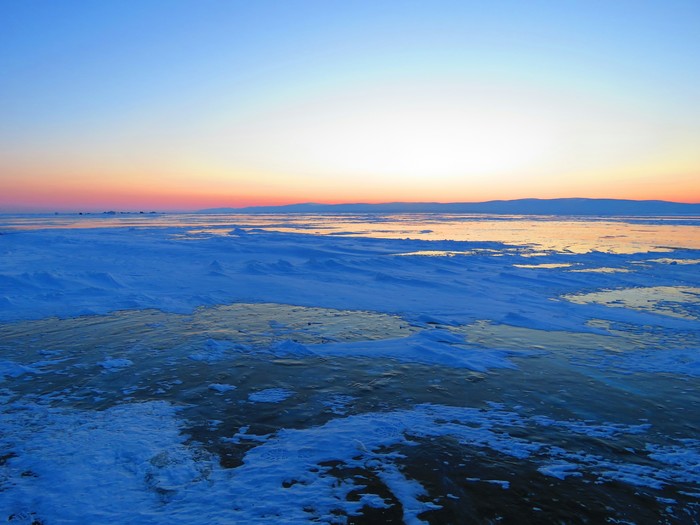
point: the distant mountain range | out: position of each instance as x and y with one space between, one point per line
588 207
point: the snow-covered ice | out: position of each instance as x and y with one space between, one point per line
255 370
111 364
270 395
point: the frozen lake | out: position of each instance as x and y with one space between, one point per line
349 369
576 234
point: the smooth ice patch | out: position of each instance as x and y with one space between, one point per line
602 269
436 253
665 300
679 361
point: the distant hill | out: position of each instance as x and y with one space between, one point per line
587 207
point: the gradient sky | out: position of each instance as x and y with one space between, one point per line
166 104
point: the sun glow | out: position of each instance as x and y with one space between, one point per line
414 143
400 134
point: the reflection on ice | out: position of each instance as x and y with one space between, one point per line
602 270
670 260
550 233
438 253
674 301
544 265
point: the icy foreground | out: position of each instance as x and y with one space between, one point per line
154 375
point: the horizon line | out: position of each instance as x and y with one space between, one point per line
90 209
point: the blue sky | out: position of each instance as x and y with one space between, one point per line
88 83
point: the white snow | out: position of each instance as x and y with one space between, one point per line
221 388
560 470
270 395
11 369
115 363
338 404
131 463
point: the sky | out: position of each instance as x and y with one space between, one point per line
183 105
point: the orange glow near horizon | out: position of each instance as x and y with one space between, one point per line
366 147
99 194
385 144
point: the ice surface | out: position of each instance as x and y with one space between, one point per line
270 395
111 364
155 475
665 300
11 369
235 374
221 388
212 351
